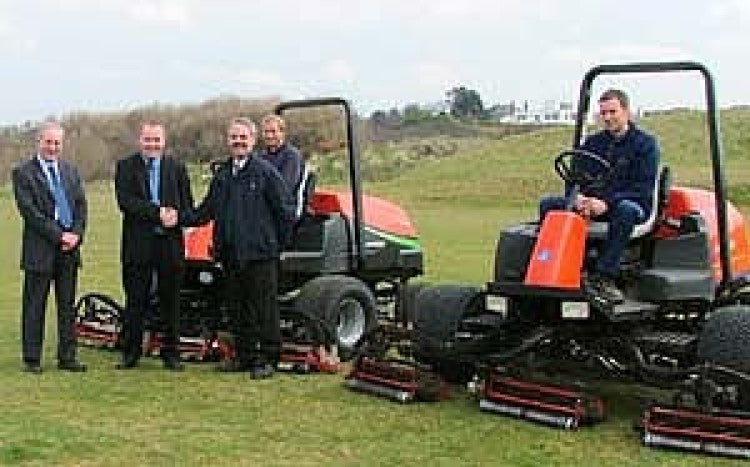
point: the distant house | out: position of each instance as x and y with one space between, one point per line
549 113
438 108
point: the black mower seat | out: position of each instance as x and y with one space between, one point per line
598 230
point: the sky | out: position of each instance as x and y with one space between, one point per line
62 56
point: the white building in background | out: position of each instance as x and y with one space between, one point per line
549 112
436 108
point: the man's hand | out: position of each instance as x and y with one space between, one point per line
589 206
69 241
168 217
597 207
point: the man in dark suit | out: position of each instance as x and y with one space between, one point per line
50 198
150 187
253 213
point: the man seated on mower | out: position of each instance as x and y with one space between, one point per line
625 199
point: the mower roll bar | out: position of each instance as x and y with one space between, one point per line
355 179
717 158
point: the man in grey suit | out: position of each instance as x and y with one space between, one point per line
50 198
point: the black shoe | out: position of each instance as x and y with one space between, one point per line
232 366
262 371
74 366
173 364
33 368
127 363
606 289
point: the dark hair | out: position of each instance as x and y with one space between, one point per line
610 94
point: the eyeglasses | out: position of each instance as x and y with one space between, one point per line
150 139
240 137
52 142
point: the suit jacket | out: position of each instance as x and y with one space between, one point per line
41 233
140 217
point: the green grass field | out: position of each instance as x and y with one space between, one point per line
149 416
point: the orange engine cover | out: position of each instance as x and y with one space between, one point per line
558 254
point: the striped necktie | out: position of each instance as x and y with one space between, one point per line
64 215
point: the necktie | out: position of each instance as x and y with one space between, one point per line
64 216
153 181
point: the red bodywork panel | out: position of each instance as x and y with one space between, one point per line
684 200
379 214
558 253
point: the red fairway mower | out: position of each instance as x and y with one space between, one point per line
346 268
536 328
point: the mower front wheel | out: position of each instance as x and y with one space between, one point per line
438 313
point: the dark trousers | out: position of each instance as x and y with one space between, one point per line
256 324
36 287
622 218
138 281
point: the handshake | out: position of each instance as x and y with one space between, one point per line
168 217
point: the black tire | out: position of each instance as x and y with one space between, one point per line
411 295
96 306
438 313
99 310
725 338
344 305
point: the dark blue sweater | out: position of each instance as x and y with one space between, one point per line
288 161
635 161
253 212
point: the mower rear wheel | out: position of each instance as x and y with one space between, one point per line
438 312
344 305
725 338
725 341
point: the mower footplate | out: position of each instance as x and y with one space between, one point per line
397 380
547 404
308 358
716 432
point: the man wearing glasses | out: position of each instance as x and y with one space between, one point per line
51 200
253 213
150 188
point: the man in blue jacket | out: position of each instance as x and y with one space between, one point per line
253 214
626 199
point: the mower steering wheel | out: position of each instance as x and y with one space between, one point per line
565 168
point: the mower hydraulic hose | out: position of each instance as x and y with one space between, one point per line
685 372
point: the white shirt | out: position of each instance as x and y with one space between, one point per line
238 164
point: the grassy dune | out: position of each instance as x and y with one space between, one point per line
105 417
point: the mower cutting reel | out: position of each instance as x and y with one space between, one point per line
716 432
543 403
399 380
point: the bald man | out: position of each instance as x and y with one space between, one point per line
50 198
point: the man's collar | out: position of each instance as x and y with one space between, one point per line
277 150
157 160
43 162
240 163
624 134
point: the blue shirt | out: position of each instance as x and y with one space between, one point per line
153 167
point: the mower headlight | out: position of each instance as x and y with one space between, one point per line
496 304
206 277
